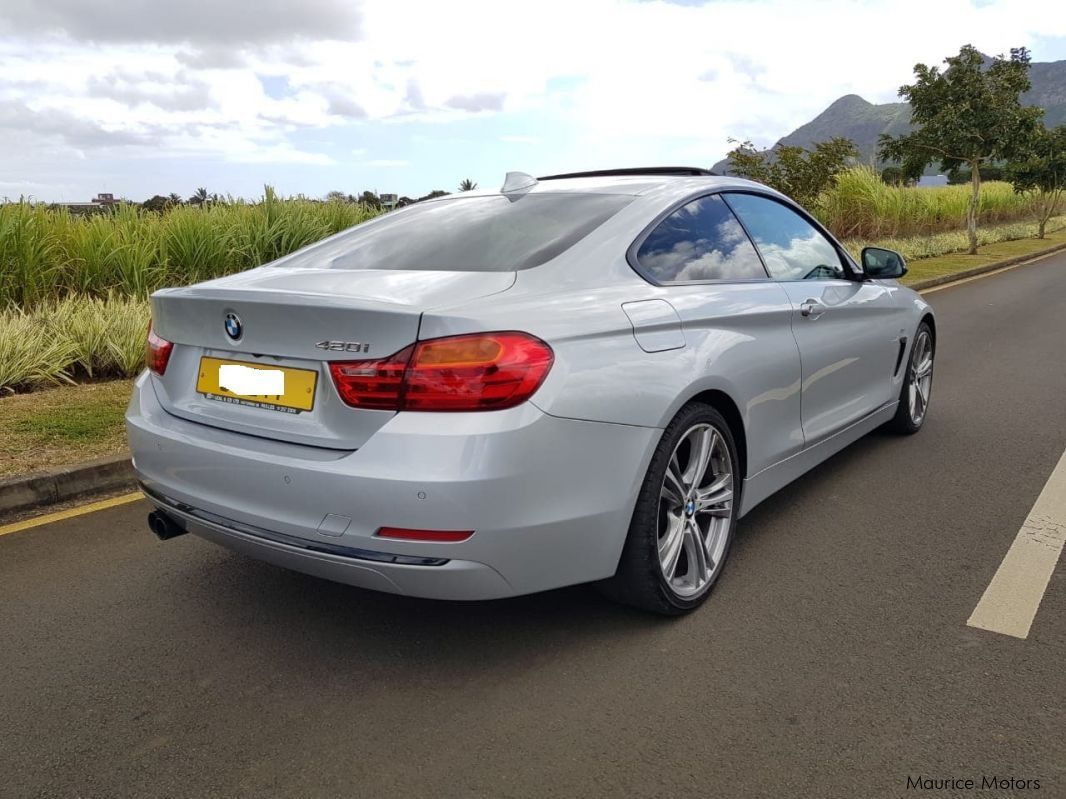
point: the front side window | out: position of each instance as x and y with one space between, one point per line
791 247
699 241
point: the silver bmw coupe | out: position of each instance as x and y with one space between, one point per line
582 377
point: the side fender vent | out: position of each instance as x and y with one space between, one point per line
899 357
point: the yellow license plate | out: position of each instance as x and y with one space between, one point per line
238 382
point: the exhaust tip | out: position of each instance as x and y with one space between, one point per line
163 526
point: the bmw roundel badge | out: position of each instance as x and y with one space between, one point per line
233 326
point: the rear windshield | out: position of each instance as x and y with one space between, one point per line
473 234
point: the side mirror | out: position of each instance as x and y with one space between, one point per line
881 264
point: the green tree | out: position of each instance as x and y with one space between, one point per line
199 197
963 174
1041 172
157 203
968 114
433 195
467 185
893 176
173 199
801 174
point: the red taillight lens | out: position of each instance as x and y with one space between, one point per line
424 535
376 385
156 351
478 372
486 371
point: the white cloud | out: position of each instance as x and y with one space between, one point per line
198 21
617 81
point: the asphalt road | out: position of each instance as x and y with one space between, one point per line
833 659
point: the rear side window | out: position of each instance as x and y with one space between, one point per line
699 241
493 233
792 247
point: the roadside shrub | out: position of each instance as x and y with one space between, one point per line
29 238
861 205
915 247
29 354
47 253
107 336
125 339
73 338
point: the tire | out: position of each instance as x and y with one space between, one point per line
669 512
917 386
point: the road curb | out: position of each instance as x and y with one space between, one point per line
66 482
954 277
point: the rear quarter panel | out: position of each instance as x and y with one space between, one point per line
738 340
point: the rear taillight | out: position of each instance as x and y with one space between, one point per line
478 372
156 351
376 385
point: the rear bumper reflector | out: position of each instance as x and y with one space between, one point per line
438 536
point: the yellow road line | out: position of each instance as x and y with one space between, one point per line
1011 600
964 280
81 510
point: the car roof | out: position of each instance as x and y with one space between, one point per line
666 186
634 170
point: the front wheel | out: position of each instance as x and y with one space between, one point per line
917 384
684 519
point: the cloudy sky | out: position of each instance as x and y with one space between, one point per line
139 97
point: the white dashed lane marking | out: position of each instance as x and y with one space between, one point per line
1011 600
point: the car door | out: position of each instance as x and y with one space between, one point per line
735 322
848 330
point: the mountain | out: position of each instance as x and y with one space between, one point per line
1049 90
854 118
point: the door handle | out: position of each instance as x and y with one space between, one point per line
812 308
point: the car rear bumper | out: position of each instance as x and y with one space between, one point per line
549 499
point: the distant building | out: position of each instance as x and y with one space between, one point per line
388 200
100 202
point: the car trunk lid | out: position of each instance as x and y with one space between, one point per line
299 320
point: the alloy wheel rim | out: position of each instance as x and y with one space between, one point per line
921 382
695 510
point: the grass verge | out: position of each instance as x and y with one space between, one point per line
920 247
61 426
989 254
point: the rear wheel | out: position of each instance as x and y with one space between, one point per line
917 384
684 519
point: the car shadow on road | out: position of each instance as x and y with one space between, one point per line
845 472
275 610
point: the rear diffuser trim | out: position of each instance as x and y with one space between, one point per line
196 514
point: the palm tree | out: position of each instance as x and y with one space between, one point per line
199 198
467 185
174 198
